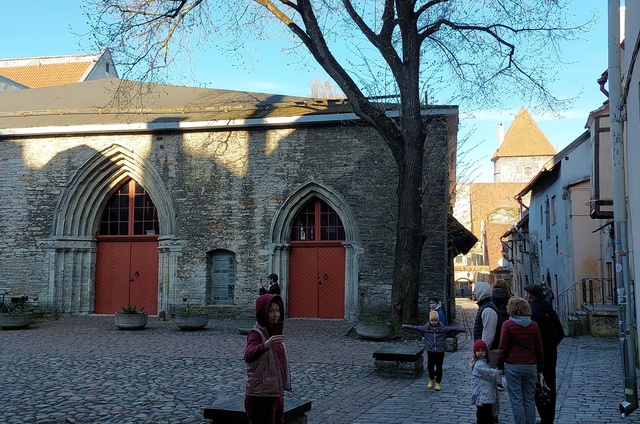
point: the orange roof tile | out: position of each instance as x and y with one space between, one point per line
494 245
490 200
46 75
524 138
47 71
494 209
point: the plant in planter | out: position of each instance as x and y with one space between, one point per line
192 317
15 315
130 318
244 322
370 327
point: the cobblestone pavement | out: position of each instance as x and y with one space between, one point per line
84 370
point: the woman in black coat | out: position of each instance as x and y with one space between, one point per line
552 334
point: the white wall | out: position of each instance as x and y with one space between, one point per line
571 250
632 139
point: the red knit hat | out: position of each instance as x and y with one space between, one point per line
479 344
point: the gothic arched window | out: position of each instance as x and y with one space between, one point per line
129 212
317 217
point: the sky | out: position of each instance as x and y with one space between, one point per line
52 28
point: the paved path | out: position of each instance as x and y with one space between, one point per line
84 370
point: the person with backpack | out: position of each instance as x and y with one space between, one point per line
486 322
552 334
486 325
500 296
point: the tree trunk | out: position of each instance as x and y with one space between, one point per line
409 235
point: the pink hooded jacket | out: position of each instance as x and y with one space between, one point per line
267 370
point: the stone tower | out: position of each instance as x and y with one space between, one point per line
523 152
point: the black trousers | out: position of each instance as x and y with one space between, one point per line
434 365
264 410
484 413
548 412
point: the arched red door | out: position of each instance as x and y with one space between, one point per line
316 263
127 257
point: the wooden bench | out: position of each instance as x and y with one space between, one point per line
231 411
399 360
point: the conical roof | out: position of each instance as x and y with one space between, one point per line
524 138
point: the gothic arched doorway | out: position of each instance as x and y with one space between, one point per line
316 263
127 257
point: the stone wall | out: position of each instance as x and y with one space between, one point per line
511 169
224 189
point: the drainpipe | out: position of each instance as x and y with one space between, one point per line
625 297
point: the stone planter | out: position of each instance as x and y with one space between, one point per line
131 321
245 324
15 321
191 322
373 330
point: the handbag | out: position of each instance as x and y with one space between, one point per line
543 392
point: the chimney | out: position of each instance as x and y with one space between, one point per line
500 134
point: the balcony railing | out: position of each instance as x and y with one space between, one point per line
591 292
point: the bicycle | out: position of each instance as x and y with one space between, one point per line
4 306
16 304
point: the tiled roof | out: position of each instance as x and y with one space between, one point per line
47 71
493 208
113 101
488 198
494 245
524 138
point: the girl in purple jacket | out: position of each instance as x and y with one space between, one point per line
434 338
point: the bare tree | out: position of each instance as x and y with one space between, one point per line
464 51
324 89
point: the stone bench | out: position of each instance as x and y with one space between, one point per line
399 360
231 411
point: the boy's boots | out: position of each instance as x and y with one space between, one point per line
438 386
431 383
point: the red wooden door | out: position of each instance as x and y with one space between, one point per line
127 258
126 274
331 282
144 271
303 291
112 277
316 282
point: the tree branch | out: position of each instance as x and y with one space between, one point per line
313 38
382 42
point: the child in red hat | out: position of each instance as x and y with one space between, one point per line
484 391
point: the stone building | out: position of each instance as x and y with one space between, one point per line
522 152
121 193
489 210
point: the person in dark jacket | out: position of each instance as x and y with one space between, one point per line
552 334
500 296
486 323
274 287
435 335
267 366
434 305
